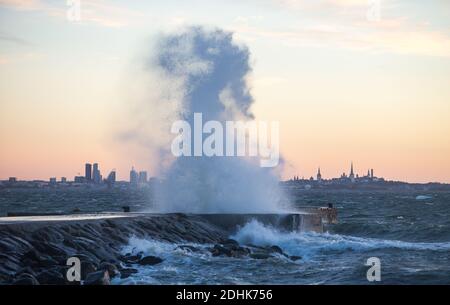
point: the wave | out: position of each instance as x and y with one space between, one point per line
182 266
147 246
424 197
307 244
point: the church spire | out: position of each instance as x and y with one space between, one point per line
352 173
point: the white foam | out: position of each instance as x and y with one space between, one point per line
308 244
424 197
147 246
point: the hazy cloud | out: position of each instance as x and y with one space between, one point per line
97 12
344 24
22 4
14 39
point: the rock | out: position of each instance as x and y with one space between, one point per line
230 242
51 277
295 258
5 279
97 278
131 259
26 279
31 255
69 243
179 228
150 260
87 267
125 273
27 270
5 246
276 249
34 258
51 249
260 255
111 268
47 262
240 252
220 250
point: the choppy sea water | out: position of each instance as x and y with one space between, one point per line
408 232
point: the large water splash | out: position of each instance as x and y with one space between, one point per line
205 71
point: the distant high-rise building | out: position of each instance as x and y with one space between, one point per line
88 172
12 179
371 173
133 177
79 179
53 180
142 177
111 179
97 177
63 179
319 175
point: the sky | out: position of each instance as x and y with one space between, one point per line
348 80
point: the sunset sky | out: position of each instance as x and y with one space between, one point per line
344 85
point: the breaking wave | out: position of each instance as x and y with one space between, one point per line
308 244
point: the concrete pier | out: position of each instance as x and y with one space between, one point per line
308 219
292 222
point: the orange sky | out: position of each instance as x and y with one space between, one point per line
343 88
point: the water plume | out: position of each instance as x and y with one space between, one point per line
205 71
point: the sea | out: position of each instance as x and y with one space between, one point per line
407 232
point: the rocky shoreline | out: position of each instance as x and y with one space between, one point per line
36 251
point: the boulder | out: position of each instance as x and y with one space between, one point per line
50 249
51 277
295 258
150 260
34 258
230 242
125 273
25 279
31 255
240 252
98 278
111 268
218 250
130 259
87 267
27 270
276 249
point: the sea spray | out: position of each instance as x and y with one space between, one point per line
204 71
326 258
308 244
